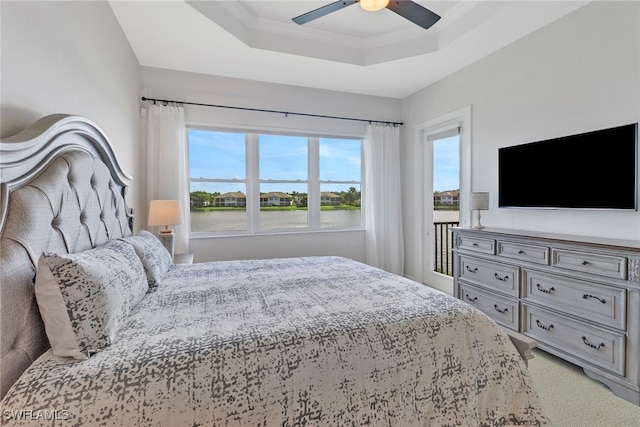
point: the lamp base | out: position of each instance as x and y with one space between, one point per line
478 225
168 238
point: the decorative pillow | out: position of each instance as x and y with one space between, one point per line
85 297
155 258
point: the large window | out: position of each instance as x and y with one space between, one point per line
244 182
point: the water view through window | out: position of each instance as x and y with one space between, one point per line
250 182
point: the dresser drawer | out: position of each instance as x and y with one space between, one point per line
602 265
530 253
593 301
477 244
503 310
595 345
493 275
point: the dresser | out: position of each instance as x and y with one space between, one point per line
579 298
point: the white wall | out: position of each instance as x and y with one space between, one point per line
71 57
199 88
579 73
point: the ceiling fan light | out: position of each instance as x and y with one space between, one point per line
373 5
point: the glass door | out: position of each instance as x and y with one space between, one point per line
446 201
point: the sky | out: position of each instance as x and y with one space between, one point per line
221 155
446 164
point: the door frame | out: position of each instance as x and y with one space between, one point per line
424 190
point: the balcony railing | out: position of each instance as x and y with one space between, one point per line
443 246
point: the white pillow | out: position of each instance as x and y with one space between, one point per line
155 258
85 297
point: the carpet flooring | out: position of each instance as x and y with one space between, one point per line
571 399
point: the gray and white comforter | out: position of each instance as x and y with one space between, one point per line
287 342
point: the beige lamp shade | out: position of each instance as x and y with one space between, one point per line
479 201
165 212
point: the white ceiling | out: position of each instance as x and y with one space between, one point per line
351 50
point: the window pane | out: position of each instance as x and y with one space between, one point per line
446 164
446 200
340 159
283 206
218 207
340 205
216 154
283 157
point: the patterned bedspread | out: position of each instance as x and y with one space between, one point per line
287 342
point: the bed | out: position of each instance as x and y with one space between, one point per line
289 342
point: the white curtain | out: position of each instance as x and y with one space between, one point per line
382 199
167 172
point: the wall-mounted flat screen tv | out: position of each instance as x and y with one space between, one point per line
593 170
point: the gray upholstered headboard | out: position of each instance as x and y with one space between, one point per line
62 190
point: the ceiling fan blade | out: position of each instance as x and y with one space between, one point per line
414 12
322 11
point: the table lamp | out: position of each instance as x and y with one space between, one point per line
479 202
165 212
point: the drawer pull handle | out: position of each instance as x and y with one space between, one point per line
472 270
521 252
586 296
475 244
541 326
586 342
585 262
498 309
503 279
546 291
474 299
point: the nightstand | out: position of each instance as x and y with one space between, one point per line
183 259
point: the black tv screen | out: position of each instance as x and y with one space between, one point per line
593 170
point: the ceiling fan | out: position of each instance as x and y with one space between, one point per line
408 9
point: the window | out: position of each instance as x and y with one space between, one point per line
446 200
340 175
454 124
260 182
283 174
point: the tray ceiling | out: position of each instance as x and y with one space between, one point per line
352 50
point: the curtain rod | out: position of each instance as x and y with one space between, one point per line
286 113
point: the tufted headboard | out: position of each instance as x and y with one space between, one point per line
63 191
